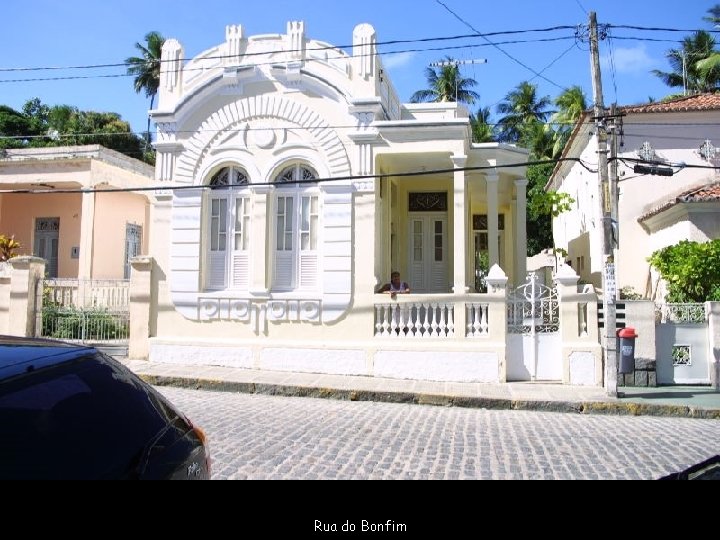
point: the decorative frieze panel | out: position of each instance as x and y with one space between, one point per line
246 309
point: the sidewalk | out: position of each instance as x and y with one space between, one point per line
682 401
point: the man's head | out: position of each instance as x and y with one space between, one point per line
395 278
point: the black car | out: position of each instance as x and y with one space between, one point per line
72 412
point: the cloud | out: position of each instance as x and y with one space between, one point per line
630 60
397 60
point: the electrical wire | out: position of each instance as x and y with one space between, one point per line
307 49
537 74
313 181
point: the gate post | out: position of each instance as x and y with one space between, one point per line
713 316
26 274
4 297
497 316
142 299
581 352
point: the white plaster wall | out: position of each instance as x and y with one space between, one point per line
206 354
431 366
307 360
582 369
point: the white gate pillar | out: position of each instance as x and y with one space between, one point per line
497 296
713 315
25 296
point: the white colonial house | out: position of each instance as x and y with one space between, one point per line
678 137
296 182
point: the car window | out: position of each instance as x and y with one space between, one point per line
87 418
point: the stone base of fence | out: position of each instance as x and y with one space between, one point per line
644 374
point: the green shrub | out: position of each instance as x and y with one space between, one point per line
691 270
86 324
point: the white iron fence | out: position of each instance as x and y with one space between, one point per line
85 310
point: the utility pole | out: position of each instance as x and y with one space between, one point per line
607 202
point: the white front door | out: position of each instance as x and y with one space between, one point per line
427 242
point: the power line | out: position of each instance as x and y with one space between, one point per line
537 74
276 62
298 182
311 49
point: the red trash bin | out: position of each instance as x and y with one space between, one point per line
626 349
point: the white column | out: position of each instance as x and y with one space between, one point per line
87 226
459 225
492 214
520 230
262 222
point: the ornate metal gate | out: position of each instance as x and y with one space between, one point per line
534 343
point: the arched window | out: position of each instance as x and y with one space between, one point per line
228 213
297 226
295 173
229 176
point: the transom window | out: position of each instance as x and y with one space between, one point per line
295 173
229 176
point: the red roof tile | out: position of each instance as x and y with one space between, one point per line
700 102
704 193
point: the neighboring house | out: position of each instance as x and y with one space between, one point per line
86 235
653 211
297 181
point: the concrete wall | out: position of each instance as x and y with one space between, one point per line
640 315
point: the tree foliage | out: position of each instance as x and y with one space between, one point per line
146 70
446 84
482 129
690 269
40 125
695 66
521 108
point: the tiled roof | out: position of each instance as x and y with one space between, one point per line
704 193
700 102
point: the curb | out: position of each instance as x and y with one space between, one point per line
579 407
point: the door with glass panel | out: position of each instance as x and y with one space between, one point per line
45 243
428 268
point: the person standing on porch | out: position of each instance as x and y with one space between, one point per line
395 286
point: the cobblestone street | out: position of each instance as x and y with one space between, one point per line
266 437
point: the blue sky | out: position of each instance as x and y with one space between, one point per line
42 33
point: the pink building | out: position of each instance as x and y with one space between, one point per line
51 201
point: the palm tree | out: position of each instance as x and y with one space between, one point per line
714 13
690 69
571 104
482 129
521 107
446 84
146 69
539 138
